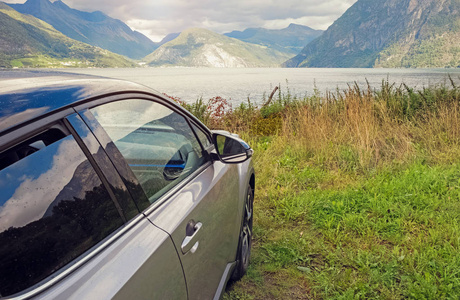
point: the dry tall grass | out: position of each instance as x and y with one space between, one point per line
359 130
353 130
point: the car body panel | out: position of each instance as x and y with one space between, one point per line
132 266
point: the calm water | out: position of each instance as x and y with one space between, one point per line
237 84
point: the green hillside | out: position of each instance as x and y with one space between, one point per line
203 48
388 33
26 41
94 28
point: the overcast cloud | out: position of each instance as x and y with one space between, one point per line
158 18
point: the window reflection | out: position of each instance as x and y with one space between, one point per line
157 143
52 209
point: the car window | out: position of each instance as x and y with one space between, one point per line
53 207
157 142
204 139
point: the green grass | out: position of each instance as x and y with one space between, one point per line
357 193
391 236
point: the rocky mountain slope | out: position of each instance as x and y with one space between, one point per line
93 28
203 48
388 33
30 42
291 39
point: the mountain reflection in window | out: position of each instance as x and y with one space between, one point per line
53 207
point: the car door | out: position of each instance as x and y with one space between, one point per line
135 263
194 199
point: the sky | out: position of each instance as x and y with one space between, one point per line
157 18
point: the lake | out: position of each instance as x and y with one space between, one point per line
237 84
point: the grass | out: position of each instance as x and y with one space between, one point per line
357 193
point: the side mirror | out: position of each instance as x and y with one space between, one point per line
230 149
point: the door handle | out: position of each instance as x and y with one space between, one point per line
190 243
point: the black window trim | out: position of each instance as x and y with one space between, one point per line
96 168
117 162
206 133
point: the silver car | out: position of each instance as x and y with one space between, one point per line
111 191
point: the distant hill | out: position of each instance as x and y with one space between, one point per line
203 48
26 41
93 28
291 39
388 33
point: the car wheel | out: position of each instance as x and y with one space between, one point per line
245 243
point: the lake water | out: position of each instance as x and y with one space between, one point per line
236 84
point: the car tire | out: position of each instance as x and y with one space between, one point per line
245 242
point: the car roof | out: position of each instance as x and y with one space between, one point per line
28 95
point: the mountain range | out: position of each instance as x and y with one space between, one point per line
371 33
94 28
388 33
26 41
291 39
197 47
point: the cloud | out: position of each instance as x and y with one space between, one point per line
161 17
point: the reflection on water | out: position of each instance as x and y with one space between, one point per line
237 84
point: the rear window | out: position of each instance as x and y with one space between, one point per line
53 207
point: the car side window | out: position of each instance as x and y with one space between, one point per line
158 143
204 139
53 207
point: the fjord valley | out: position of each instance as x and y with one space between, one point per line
380 34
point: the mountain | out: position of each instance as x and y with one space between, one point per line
388 33
30 42
93 28
291 39
203 48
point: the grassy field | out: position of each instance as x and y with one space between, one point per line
357 193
